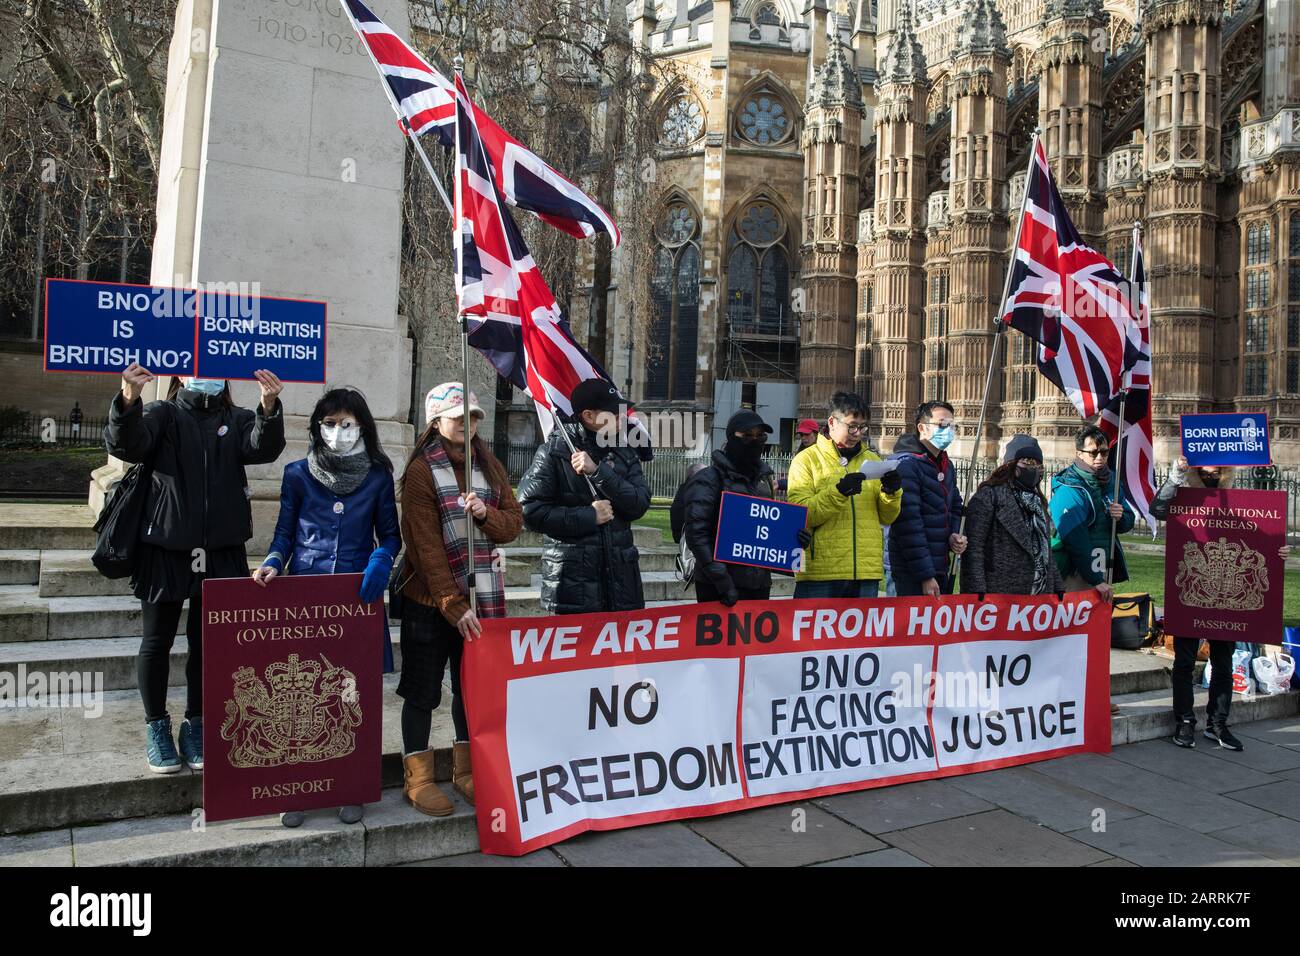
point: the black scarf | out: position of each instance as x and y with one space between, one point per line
746 456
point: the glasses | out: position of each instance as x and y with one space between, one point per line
1093 452
853 429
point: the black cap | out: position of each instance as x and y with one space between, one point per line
1022 446
595 394
746 419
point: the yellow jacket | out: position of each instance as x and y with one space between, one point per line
847 541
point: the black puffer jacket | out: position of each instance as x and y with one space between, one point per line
703 496
585 566
198 495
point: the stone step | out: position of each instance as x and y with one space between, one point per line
20 567
1149 714
523 563
643 536
72 574
37 527
391 833
83 762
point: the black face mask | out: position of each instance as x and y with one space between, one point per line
1028 478
1210 481
744 453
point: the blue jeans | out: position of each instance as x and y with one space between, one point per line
836 589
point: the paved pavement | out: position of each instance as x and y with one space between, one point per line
1144 804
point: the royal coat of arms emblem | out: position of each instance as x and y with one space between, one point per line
1223 574
303 713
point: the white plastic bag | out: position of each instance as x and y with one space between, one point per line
1273 676
1242 682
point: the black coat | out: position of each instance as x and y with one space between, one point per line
929 512
703 497
999 546
198 495
585 566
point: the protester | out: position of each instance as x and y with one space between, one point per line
437 618
807 433
846 510
737 466
926 530
338 515
1082 511
197 443
589 556
1008 528
1219 701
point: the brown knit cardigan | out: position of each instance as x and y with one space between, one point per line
431 582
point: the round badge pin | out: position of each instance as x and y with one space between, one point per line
338 507
223 429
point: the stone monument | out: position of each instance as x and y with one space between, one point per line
281 165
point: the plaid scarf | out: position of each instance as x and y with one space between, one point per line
489 584
1032 508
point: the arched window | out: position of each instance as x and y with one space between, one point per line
675 297
758 272
767 24
1257 341
682 122
764 118
1259 242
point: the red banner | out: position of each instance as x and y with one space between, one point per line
1224 578
292 681
600 721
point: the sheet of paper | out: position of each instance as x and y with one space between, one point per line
875 469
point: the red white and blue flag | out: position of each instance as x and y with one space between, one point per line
425 101
1070 299
1138 467
521 329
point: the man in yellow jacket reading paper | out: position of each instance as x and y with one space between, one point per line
848 505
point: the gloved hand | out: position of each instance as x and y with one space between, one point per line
378 571
891 481
851 484
729 597
805 536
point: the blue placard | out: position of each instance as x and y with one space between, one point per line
1226 439
759 532
240 334
105 326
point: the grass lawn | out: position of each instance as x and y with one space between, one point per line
42 470
657 518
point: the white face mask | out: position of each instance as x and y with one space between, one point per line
341 438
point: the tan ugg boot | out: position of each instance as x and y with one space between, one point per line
419 787
462 778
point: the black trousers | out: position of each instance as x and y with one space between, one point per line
430 644
911 587
153 662
705 591
1216 708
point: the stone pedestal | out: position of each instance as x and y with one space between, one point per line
281 165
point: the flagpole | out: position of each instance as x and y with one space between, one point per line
1123 424
458 242
955 563
410 133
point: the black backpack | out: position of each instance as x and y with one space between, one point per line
117 545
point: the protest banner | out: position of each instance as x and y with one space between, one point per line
1224 578
292 676
1228 438
600 721
759 532
102 327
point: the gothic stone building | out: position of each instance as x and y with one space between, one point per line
837 186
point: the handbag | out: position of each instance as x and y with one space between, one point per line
399 579
117 530
1130 622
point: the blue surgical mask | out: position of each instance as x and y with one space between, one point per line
208 386
942 437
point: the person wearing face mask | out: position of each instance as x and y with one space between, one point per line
338 514
925 534
1219 700
737 466
437 619
197 443
846 511
583 500
1082 511
1009 530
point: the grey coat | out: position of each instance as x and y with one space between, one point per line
999 549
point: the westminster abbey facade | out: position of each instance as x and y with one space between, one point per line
838 182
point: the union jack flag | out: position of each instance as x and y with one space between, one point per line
425 101
1070 299
521 329
1137 475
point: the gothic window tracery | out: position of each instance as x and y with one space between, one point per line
682 123
1257 334
675 300
764 118
758 272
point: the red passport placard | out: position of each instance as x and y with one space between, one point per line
292 691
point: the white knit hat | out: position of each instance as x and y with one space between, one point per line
448 399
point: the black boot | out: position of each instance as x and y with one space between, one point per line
1185 734
1224 737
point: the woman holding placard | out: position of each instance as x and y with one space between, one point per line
195 524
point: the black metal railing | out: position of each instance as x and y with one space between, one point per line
25 428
